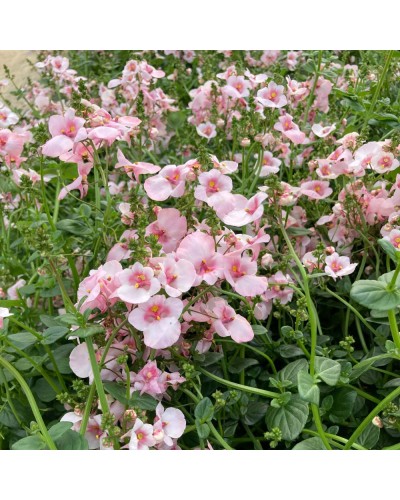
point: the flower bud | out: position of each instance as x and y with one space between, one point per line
245 142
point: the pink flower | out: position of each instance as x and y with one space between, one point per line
272 96
80 364
158 319
147 380
289 129
169 424
240 84
141 436
238 211
64 129
207 130
94 433
170 181
321 131
4 313
137 168
228 323
169 228
336 266
240 274
120 251
12 292
176 277
98 288
137 284
199 249
270 164
384 162
211 184
278 289
315 190
394 238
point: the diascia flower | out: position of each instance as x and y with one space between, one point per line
169 228
141 436
4 313
199 249
227 323
170 181
137 284
272 96
336 266
176 276
169 424
316 190
135 168
240 272
158 319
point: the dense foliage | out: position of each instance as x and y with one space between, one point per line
201 249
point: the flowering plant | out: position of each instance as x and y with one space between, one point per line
200 249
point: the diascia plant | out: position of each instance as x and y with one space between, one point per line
201 250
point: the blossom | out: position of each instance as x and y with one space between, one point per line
384 162
141 436
272 96
394 238
4 313
169 424
240 272
228 323
207 130
238 211
137 284
176 276
289 129
147 380
169 228
170 181
158 319
211 184
316 190
321 131
336 266
199 249
137 168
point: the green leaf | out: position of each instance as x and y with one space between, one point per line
118 392
74 227
389 249
22 340
71 440
204 410
89 331
374 295
290 419
61 356
44 390
54 333
314 443
57 430
308 389
211 358
259 329
202 430
256 410
290 371
369 436
343 403
327 370
34 442
144 401
290 351
240 364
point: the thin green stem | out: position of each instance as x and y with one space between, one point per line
32 402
